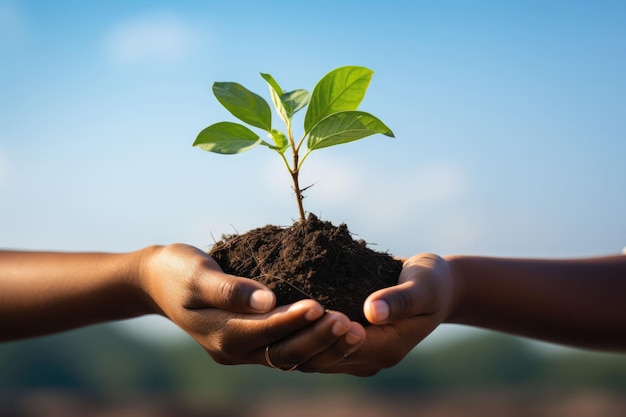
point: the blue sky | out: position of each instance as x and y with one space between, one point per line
510 123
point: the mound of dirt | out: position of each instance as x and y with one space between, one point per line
311 259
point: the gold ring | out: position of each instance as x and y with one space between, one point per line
271 364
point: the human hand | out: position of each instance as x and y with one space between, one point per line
234 318
402 315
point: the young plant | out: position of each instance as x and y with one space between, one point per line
331 119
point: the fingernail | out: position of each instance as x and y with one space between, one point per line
261 300
353 338
339 329
314 314
380 309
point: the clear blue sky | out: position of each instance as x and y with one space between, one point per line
510 120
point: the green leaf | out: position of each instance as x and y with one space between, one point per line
295 100
227 138
286 103
342 89
275 92
244 104
273 84
343 127
281 141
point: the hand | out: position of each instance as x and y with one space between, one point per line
233 317
402 315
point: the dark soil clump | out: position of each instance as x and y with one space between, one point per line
310 259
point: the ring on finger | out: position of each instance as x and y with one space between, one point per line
272 365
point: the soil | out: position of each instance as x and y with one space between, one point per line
311 259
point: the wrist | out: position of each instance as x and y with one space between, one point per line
457 289
142 266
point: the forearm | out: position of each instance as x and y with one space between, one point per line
45 292
575 302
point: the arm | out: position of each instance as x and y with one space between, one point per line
231 317
46 292
575 302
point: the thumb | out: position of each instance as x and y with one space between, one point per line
240 295
411 297
389 304
231 293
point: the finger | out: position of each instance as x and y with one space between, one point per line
260 330
337 352
385 346
285 320
214 288
367 360
308 342
413 296
233 338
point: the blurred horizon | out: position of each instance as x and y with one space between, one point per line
101 371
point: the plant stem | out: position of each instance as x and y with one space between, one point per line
295 171
296 187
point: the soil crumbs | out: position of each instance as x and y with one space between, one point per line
310 259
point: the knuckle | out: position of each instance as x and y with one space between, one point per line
227 291
284 358
224 350
324 336
230 346
401 304
216 353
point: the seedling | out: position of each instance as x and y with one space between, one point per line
331 119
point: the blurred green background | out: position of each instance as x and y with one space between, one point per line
102 370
